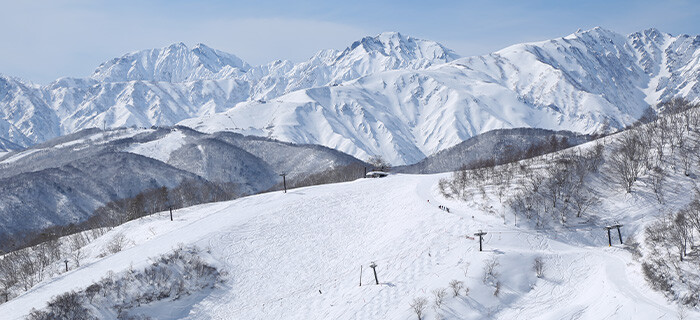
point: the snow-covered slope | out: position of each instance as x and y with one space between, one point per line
390 95
298 256
497 145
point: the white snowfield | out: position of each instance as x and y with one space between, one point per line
298 256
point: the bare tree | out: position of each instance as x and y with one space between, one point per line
497 288
490 271
379 163
582 198
418 306
439 295
456 286
686 152
117 244
8 274
680 232
465 268
693 213
538 267
27 267
626 161
657 179
77 242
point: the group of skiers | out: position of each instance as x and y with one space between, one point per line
442 207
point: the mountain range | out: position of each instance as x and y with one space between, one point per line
390 95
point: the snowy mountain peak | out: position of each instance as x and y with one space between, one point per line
177 46
597 34
402 48
174 63
651 35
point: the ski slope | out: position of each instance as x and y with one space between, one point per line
298 256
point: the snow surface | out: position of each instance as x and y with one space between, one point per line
162 148
298 256
20 155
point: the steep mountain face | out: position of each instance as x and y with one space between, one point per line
64 180
389 95
25 116
387 51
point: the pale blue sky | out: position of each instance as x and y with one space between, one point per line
46 39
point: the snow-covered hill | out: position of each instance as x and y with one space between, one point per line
64 180
390 95
298 256
499 146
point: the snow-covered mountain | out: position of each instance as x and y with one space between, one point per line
175 63
164 86
64 180
580 82
390 95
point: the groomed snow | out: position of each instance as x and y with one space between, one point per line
20 156
298 256
162 148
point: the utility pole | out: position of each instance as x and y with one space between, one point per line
171 213
284 181
374 268
609 241
480 234
66 261
365 176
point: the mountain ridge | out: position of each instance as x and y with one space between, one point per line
585 81
64 180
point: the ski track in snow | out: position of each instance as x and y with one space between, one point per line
298 255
